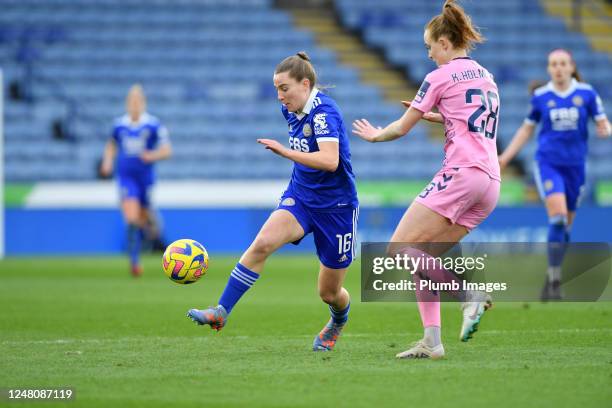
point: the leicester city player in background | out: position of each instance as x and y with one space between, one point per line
138 140
563 107
321 198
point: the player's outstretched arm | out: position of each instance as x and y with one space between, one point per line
395 130
428 116
110 151
326 159
603 128
521 137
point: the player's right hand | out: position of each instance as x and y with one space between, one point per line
106 169
363 129
503 162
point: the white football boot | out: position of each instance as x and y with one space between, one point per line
472 313
422 350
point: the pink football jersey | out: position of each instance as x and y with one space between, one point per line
467 97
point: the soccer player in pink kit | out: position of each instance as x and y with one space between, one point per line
465 191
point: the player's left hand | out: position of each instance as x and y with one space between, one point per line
603 128
148 156
363 129
274 145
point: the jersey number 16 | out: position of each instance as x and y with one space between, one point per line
344 243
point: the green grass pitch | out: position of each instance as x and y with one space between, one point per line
85 323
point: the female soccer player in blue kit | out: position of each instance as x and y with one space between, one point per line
563 106
321 198
138 140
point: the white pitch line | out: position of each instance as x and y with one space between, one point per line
231 338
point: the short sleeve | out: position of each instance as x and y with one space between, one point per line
429 93
326 124
535 113
596 108
163 136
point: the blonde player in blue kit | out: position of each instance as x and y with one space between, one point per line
138 141
563 107
321 198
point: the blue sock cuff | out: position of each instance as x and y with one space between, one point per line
340 316
556 233
241 279
557 228
247 271
558 219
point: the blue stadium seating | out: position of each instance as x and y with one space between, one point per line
206 66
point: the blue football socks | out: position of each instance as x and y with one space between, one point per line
558 236
134 240
241 279
340 316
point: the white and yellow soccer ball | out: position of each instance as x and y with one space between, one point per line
185 261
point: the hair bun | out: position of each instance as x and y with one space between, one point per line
303 55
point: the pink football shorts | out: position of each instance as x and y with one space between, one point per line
464 195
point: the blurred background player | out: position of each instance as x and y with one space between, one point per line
563 106
138 141
321 198
465 191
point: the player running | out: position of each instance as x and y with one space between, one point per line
465 191
564 107
138 140
321 198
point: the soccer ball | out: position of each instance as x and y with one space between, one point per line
185 261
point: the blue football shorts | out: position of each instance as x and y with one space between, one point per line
568 180
132 188
334 230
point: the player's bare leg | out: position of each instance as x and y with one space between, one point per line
152 229
418 225
337 297
280 229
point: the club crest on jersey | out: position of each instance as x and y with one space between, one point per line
548 185
306 130
551 103
288 202
320 124
577 100
422 91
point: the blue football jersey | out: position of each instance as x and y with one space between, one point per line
564 121
132 139
321 121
